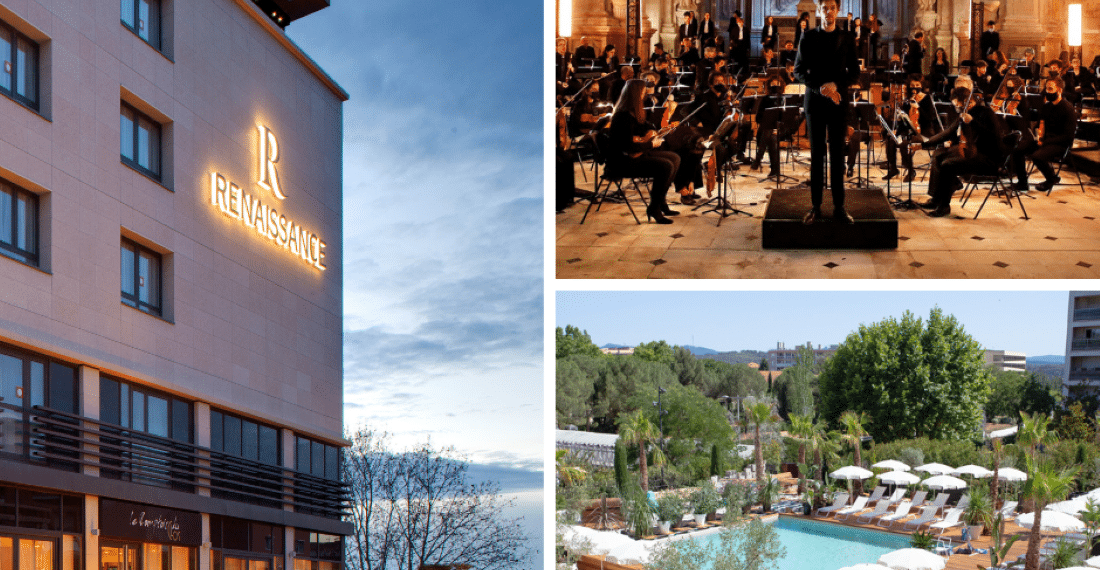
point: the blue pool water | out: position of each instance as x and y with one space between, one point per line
813 545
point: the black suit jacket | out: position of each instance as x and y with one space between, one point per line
769 35
984 132
707 29
688 31
584 55
734 31
914 58
825 57
989 42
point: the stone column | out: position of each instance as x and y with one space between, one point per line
943 32
91 532
287 437
88 378
201 417
594 19
204 549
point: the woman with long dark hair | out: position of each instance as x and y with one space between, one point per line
941 68
633 150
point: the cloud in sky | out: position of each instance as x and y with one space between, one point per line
442 220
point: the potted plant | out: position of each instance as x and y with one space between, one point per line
705 501
639 512
979 513
670 509
769 494
736 499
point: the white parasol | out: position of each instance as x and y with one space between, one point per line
1011 474
898 478
973 470
936 468
1052 520
851 472
944 482
912 559
891 464
866 567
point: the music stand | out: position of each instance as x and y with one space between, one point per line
722 206
867 114
773 118
898 203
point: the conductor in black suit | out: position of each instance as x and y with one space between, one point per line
915 55
827 64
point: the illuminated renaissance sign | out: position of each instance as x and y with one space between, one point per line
263 217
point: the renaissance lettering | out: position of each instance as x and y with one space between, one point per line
263 217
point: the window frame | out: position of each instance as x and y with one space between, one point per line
159 45
134 300
146 392
12 93
156 175
220 446
325 447
13 251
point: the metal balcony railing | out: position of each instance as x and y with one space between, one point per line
1087 314
67 441
1085 343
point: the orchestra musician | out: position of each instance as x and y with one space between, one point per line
827 65
739 42
767 137
608 62
787 73
768 59
658 53
625 74
979 150
634 147
941 68
1057 127
873 35
990 40
717 104
1081 79
915 53
800 28
584 115
707 30
689 56
786 55
895 63
916 122
1033 68
984 80
859 35
769 34
584 54
690 28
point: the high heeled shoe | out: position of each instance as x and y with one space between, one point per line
668 211
656 216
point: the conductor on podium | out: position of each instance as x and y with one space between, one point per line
827 64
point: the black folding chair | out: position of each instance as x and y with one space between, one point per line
612 176
996 179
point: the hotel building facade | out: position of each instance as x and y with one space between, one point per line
1082 370
170 289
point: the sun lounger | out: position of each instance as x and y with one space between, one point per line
902 512
963 502
918 499
950 520
876 495
880 509
1008 511
859 505
941 501
927 515
840 502
894 498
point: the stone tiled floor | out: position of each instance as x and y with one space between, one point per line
1061 240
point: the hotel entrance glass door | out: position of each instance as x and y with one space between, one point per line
119 557
19 553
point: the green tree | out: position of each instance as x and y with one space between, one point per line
910 377
656 351
1005 394
575 341
1037 397
1072 424
688 369
802 428
758 414
625 384
1044 486
715 461
621 469
794 390
638 430
854 432
763 364
576 384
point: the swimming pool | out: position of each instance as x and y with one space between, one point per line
814 545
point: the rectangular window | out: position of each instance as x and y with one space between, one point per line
141 277
143 18
142 409
18 224
19 76
244 438
139 141
318 459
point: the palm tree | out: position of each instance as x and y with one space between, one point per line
1044 486
802 429
637 429
758 414
853 425
1034 432
993 482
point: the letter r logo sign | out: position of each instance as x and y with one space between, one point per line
269 155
